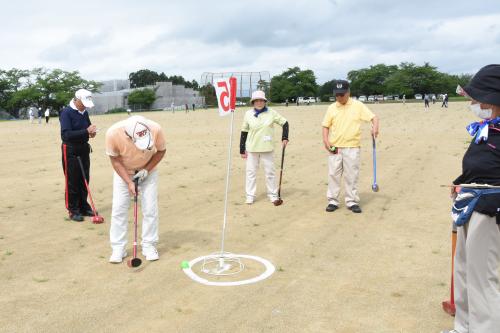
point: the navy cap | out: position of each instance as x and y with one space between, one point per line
340 86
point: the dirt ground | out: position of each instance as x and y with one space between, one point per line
386 270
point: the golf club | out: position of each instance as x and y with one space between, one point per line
374 185
96 219
280 201
135 262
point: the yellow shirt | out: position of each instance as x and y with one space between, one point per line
261 130
344 122
118 143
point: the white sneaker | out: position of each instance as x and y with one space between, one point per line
150 253
117 256
249 201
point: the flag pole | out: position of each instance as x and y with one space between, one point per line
232 81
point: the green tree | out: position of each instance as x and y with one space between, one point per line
146 77
141 98
39 86
208 91
293 83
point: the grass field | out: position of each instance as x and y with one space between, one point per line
386 270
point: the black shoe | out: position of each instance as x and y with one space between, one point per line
355 209
331 208
76 217
87 212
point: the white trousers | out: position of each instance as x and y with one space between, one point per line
253 160
344 163
477 294
148 193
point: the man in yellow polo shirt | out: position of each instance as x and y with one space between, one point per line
342 139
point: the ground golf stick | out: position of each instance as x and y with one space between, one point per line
280 201
135 262
374 185
449 305
97 219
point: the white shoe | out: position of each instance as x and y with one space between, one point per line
249 201
452 331
150 253
117 256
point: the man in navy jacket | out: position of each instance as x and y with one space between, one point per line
76 129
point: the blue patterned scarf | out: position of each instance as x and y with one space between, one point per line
257 112
479 129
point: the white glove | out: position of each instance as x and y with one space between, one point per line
141 175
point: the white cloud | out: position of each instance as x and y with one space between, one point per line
108 39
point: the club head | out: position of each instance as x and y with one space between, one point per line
97 219
278 202
134 262
449 307
375 188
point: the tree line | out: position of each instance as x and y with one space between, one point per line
20 88
403 79
40 87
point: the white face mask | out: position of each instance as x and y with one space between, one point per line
481 113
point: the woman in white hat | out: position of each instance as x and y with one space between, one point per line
257 144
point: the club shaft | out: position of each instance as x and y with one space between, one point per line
135 219
87 185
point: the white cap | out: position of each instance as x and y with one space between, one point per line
85 96
258 94
137 128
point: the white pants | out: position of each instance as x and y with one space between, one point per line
477 294
346 163
148 192
253 160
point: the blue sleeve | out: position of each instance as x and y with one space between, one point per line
67 133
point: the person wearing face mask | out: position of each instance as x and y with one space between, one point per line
257 144
135 146
476 212
76 129
341 128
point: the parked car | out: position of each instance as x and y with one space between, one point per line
306 100
371 98
396 97
418 96
362 98
240 103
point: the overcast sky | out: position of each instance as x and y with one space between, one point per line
108 39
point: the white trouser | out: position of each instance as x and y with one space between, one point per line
477 294
346 163
148 192
253 160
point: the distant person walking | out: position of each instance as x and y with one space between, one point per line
187 107
172 106
426 101
31 115
47 116
433 99
39 115
193 106
404 99
445 101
